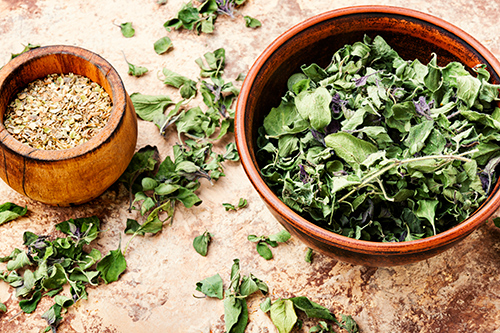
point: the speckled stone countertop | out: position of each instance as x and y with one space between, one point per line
457 291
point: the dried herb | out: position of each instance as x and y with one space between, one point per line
201 242
242 203
263 242
135 70
186 86
251 22
49 264
235 305
201 19
127 30
284 317
162 45
309 255
59 111
157 186
26 49
378 148
10 211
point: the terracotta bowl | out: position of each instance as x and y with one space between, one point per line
82 173
413 35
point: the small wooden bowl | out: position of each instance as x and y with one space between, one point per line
413 35
79 174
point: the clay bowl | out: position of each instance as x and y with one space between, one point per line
413 35
79 174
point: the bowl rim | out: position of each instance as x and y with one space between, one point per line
118 110
477 218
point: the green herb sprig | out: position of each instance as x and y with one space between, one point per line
156 186
242 203
284 317
201 242
235 305
201 19
263 242
127 29
135 70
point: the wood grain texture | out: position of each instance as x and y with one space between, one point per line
77 175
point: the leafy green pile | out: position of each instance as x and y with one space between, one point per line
201 19
158 185
378 148
154 185
49 264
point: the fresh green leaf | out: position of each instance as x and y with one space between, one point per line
82 229
10 211
312 309
56 279
20 260
266 305
201 242
127 29
309 255
211 286
53 316
242 203
315 107
149 107
29 305
349 148
348 323
281 236
135 70
175 80
235 314
162 45
112 265
283 315
264 251
251 22
26 49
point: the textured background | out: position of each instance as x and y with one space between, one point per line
457 291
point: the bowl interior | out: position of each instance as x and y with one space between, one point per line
40 62
412 34
317 40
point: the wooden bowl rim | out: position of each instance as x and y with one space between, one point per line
119 97
442 239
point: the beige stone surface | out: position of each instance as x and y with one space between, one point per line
457 291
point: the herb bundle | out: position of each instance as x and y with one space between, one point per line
378 148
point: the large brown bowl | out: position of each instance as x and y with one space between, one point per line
79 174
413 35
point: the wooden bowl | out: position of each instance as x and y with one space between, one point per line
82 173
413 35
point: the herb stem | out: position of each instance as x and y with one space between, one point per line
376 174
